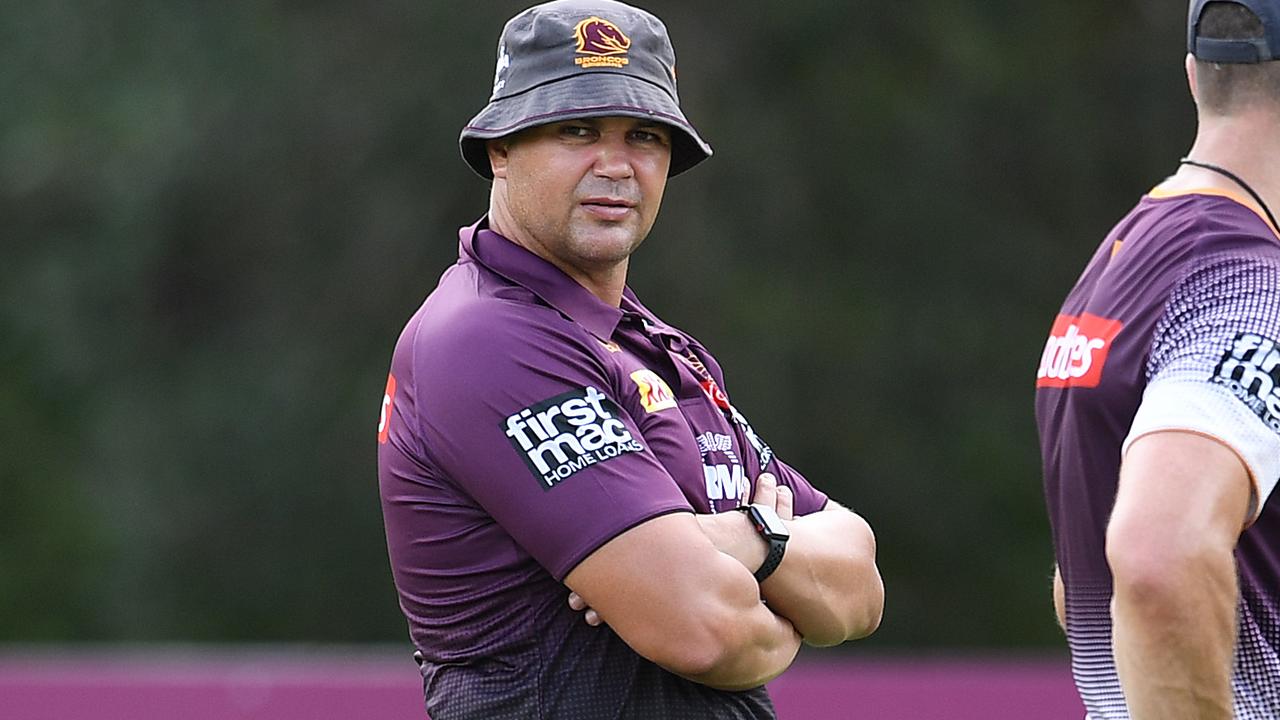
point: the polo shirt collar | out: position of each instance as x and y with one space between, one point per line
540 277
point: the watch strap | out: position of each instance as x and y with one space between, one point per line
772 560
777 546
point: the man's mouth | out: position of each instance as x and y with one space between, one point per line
608 208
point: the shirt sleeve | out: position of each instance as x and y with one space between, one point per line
1214 367
808 499
518 413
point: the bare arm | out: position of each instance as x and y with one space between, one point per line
828 584
676 600
1179 511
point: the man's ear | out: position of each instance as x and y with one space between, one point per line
1191 77
498 155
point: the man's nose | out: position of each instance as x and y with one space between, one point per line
614 160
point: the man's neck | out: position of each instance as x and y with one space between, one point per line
605 285
1248 146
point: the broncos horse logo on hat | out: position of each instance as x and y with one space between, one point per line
597 36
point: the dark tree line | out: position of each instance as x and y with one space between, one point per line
217 218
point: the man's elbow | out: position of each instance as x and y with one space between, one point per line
860 597
706 646
704 659
696 651
854 616
724 651
1150 573
870 611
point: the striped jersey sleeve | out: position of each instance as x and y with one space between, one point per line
1214 366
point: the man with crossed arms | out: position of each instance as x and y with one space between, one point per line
565 481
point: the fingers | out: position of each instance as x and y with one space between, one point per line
786 503
766 490
778 497
591 616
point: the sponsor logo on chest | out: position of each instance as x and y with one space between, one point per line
564 434
1076 351
725 480
709 442
1250 369
655 393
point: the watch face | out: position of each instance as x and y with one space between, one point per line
770 523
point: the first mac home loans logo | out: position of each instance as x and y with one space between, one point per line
564 434
1250 370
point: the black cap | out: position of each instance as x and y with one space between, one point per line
580 59
1263 49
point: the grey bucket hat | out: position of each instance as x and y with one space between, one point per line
580 59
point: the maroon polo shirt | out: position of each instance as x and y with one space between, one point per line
526 423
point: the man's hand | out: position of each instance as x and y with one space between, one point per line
827 584
778 497
591 616
1059 598
732 532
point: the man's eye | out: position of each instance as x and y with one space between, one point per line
648 136
576 130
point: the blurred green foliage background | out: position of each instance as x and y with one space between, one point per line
217 217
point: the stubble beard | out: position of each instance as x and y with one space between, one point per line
577 241
602 245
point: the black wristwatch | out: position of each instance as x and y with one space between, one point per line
770 527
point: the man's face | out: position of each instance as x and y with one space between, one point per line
583 193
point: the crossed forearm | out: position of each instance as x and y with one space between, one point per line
826 590
827 585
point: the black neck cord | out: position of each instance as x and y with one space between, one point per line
1237 180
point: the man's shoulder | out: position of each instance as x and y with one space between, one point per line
470 332
1169 237
471 307
1210 223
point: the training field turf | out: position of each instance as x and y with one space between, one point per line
381 683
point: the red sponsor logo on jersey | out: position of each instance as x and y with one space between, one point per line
717 395
384 419
1076 351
